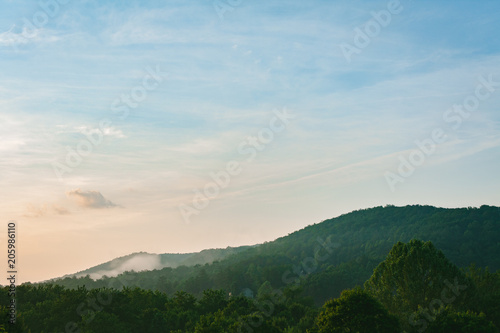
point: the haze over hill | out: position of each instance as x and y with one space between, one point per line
325 258
143 261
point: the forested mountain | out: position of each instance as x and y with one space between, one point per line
415 289
144 261
330 256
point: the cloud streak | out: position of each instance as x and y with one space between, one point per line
11 38
34 211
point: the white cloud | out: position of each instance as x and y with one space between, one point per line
111 131
11 38
90 199
108 131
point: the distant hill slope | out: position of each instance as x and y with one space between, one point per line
358 242
143 261
465 235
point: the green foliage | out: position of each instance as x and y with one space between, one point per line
417 275
293 275
344 250
355 311
487 298
213 300
460 322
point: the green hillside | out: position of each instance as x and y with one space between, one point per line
330 256
414 289
132 262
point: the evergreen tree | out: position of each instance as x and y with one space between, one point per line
416 274
355 311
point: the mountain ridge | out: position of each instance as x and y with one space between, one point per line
364 237
144 261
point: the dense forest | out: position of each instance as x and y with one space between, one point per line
415 289
144 259
330 256
361 272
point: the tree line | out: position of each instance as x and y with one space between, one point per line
416 288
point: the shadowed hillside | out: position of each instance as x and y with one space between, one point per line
330 256
144 261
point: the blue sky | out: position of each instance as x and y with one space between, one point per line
221 81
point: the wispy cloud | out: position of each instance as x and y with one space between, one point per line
138 262
11 38
42 210
107 131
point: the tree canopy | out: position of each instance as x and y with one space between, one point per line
355 311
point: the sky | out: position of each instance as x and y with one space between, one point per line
177 126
